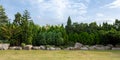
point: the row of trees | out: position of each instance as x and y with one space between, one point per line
23 30
93 33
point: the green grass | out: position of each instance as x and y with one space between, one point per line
58 55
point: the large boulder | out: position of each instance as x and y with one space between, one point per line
42 47
108 47
4 46
51 48
36 48
70 48
28 47
57 48
18 48
99 47
12 48
114 48
84 48
15 48
91 47
78 46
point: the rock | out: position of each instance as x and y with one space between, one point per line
18 48
84 48
114 48
42 47
78 46
108 48
4 46
12 48
36 48
69 48
15 48
51 48
28 47
91 47
99 47
48 48
110 45
57 48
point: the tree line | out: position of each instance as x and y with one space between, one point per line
24 30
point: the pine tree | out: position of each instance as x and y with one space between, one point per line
69 25
3 17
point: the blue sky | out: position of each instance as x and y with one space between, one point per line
55 12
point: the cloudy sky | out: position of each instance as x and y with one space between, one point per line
57 11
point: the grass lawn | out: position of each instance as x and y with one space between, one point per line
58 55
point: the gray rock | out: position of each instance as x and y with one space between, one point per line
91 47
28 47
42 47
4 46
114 48
51 48
110 45
57 48
18 48
108 48
15 48
69 48
84 48
99 47
12 48
36 48
78 46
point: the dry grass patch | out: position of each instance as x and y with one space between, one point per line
58 55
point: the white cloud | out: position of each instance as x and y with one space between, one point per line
100 15
114 4
51 11
59 10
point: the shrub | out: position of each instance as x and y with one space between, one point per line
23 44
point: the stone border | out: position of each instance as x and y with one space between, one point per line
77 46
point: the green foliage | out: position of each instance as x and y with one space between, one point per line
23 31
4 41
23 44
3 17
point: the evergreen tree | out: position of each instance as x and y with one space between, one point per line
3 17
69 26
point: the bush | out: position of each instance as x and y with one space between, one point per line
4 41
23 44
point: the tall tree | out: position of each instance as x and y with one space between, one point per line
26 28
17 20
3 17
69 25
69 21
117 24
